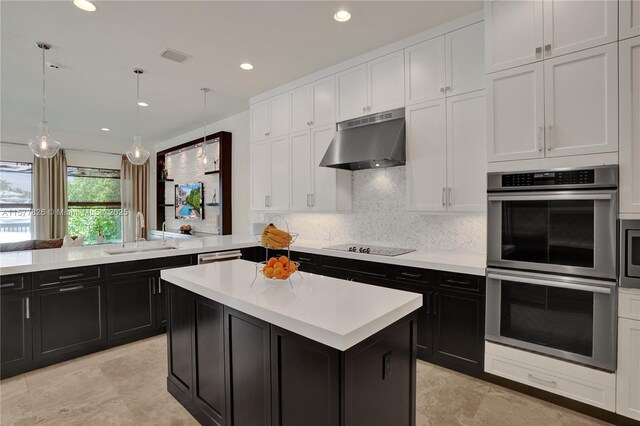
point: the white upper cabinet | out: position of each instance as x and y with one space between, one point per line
575 25
300 108
270 118
466 151
581 102
300 170
464 60
323 106
513 33
352 93
630 126
426 167
279 174
629 18
425 71
515 113
260 120
385 81
373 87
331 188
260 172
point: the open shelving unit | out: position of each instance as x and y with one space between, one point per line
224 180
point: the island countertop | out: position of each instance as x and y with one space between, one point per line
331 311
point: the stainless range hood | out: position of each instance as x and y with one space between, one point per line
369 142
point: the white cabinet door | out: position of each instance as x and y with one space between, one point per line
630 125
259 175
575 25
515 113
300 108
352 92
323 94
581 102
424 71
301 173
466 151
426 156
513 33
464 50
279 107
323 196
279 174
629 18
386 82
628 374
260 120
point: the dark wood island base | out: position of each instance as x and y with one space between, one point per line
229 368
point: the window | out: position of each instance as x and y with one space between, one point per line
15 201
94 203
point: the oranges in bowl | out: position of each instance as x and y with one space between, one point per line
279 268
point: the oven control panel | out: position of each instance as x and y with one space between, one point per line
570 177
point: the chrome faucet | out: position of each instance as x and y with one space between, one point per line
122 218
164 228
139 226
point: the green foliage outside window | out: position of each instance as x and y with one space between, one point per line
194 199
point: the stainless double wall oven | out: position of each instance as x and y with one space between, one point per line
551 281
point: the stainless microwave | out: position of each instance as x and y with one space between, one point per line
629 253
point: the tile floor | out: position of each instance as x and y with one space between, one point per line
127 386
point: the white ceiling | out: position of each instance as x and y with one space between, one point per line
95 85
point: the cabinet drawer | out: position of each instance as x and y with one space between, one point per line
13 283
461 282
412 275
135 267
360 267
573 381
629 304
47 279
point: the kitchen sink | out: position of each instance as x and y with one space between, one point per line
131 250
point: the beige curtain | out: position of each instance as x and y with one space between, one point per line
134 184
50 196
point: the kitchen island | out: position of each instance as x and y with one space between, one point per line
323 352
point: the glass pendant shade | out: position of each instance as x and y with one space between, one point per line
44 146
137 155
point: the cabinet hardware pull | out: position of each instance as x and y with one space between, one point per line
442 90
458 282
539 49
313 200
447 88
428 303
443 191
304 259
549 382
152 283
75 287
159 287
436 298
27 306
540 138
410 275
69 277
549 137
547 47
7 285
308 200
450 197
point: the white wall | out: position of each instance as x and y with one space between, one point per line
11 152
238 126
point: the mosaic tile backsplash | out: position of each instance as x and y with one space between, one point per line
378 217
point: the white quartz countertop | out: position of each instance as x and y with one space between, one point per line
41 260
331 311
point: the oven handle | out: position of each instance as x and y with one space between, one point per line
548 196
550 283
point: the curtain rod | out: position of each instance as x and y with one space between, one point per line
66 149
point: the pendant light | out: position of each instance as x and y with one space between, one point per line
137 155
204 157
43 145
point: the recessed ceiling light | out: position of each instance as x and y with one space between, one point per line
246 66
141 103
85 5
342 16
105 129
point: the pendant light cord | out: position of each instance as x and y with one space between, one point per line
204 122
43 87
137 104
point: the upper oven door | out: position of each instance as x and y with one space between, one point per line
566 232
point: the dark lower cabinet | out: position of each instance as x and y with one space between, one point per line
161 304
131 305
249 383
209 383
180 338
15 331
68 319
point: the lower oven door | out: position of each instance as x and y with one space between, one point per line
565 317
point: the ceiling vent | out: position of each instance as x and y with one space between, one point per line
174 55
